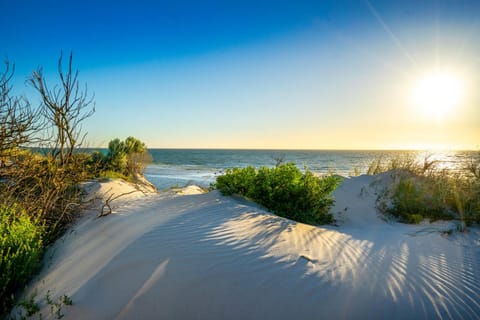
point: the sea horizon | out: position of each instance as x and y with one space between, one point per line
181 167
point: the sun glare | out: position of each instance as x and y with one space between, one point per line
437 94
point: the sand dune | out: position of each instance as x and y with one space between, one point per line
205 256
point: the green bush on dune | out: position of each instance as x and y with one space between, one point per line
124 159
283 189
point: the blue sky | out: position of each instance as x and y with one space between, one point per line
257 74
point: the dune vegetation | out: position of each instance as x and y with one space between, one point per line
40 193
285 190
124 159
417 190
421 190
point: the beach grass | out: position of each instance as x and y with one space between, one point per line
420 190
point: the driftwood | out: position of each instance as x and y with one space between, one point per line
107 208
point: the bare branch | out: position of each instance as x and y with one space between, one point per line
107 208
18 122
65 108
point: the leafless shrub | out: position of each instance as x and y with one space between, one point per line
64 108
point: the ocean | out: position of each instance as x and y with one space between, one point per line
181 167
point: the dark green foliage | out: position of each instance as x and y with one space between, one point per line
284 189
116 159
21 249
94 164
237 180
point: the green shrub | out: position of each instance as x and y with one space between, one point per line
116 158
285 190
237 180
127 157
21 249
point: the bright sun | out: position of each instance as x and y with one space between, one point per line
438 94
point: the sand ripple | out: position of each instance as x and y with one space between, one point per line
211 257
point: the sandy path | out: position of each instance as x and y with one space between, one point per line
213 257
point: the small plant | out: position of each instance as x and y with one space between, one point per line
283 189
30 306
56 307
66 300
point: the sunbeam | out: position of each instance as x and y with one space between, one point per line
392 35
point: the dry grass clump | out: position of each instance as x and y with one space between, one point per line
420 190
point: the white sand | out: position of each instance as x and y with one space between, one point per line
204 256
